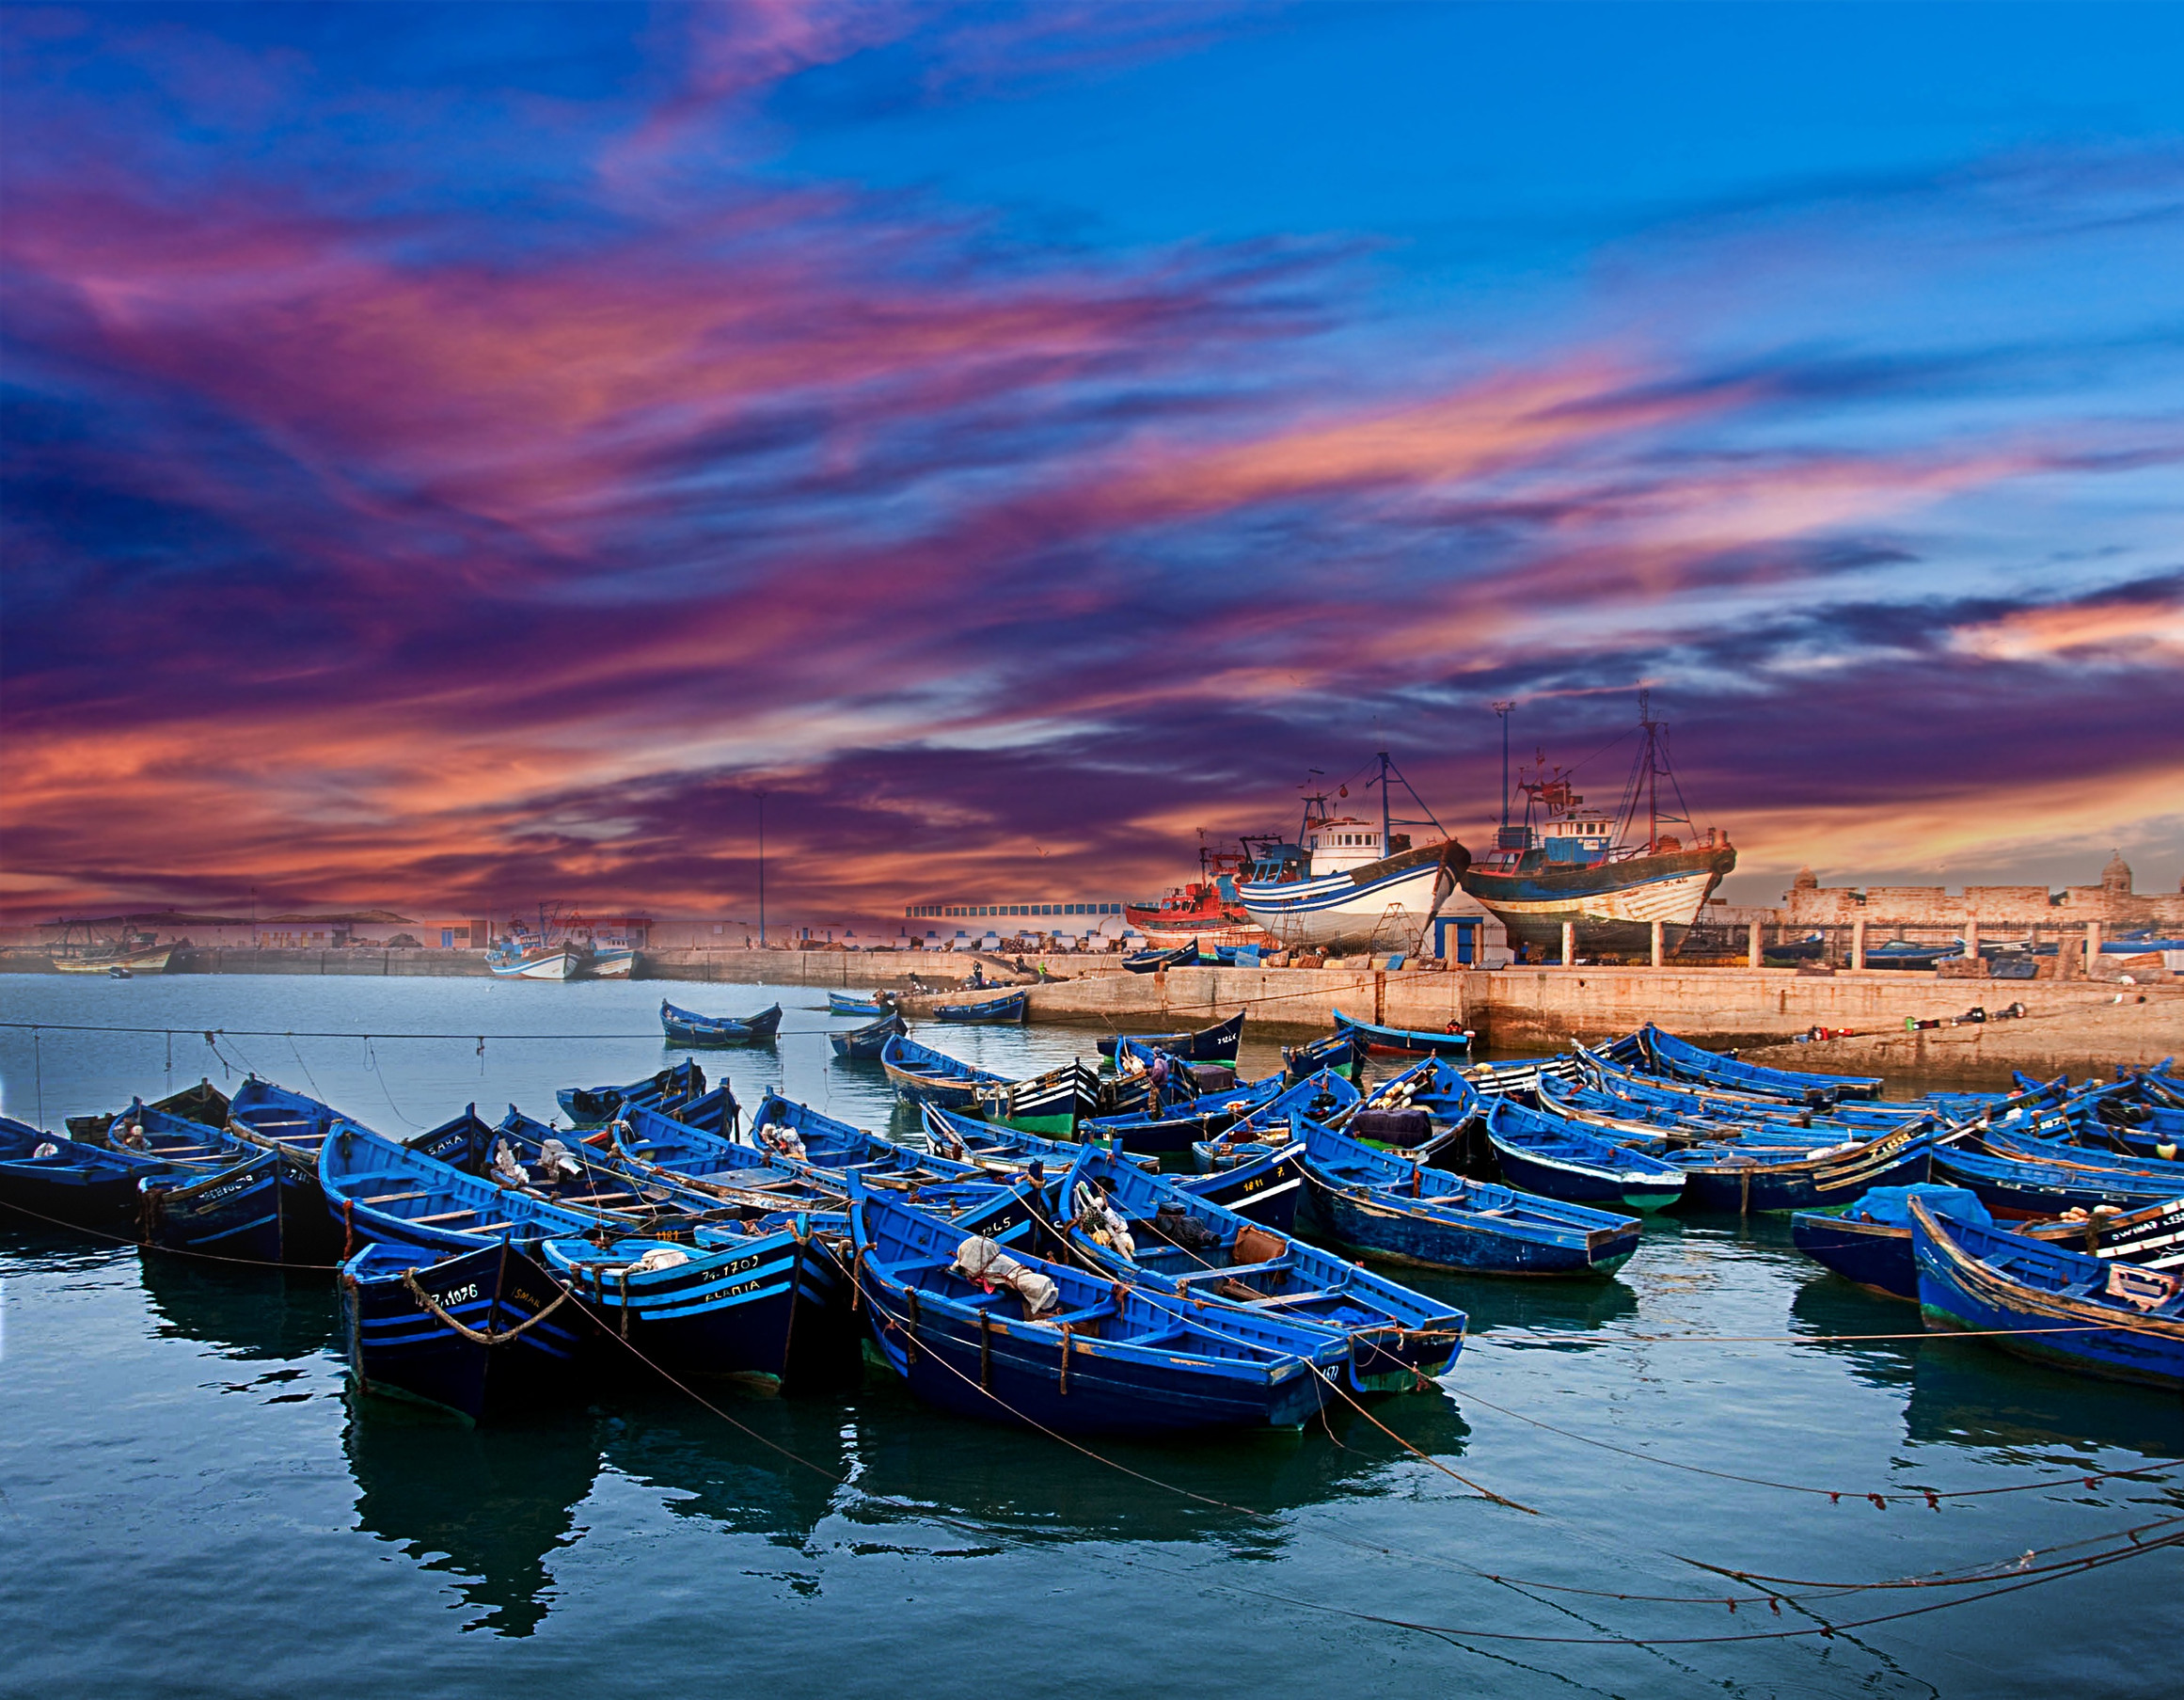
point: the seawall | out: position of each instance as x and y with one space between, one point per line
2082 1027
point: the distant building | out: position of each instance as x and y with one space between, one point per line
1090 909
2113 903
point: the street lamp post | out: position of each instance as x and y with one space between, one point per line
1502 710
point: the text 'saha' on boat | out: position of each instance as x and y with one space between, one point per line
1609 873
1353 885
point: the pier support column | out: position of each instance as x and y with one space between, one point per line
2092 948
1569 943
1752 947
1858 942
1972 940
1659 954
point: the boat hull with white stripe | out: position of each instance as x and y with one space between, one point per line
1383 905
1613 905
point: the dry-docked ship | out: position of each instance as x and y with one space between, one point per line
1609 873
1348 884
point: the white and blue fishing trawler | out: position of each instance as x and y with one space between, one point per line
1609 874
1348 884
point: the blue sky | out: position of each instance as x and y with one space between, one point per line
1038 432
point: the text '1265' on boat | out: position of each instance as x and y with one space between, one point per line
1350 883
1609 874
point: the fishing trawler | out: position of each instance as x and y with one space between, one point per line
1206 910
1351 883
548 953
1609 873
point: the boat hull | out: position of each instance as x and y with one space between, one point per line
1874 1255
1772 1189
1612 905
1267 1189
774 1313
267 1209
1373 1230
1014 1372
1387 905
612 964
1958 1291
1579 1184
1401 1041
559 964
397 1349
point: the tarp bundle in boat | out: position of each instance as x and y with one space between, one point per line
978 1259
1890 1206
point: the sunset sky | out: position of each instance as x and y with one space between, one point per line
455 455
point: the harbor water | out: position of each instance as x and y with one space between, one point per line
192 1502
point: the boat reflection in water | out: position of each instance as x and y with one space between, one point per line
703 1468
1963 1394
245 1313
1019 1485
489 1506
1832 1310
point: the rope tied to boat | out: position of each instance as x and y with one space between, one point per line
484 1337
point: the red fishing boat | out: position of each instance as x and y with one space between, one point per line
1206 911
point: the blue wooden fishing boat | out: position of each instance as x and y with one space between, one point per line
58 1179
1557 1160
1435 1085
1216 1043
251 1202
786 1132
379 1189
203 1103
1267 1186
2044 1301
996 1146
1153 962
1341 1053
1160 1131
761 1302
750 1178
1049 1104
1403 1042
1327 1096
479 1333
1685 1060
688 1028
861 1003
2020 1187
814 1172
1011 1008
1392 1210
1264 1187
1197 1249
866 1043
588 1106
921 1075
1756 1181
1096 1356
1870 1242
2035 1148
290 1121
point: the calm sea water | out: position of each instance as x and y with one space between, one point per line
190 1503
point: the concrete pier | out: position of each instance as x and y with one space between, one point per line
1547 1009
2080 1024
